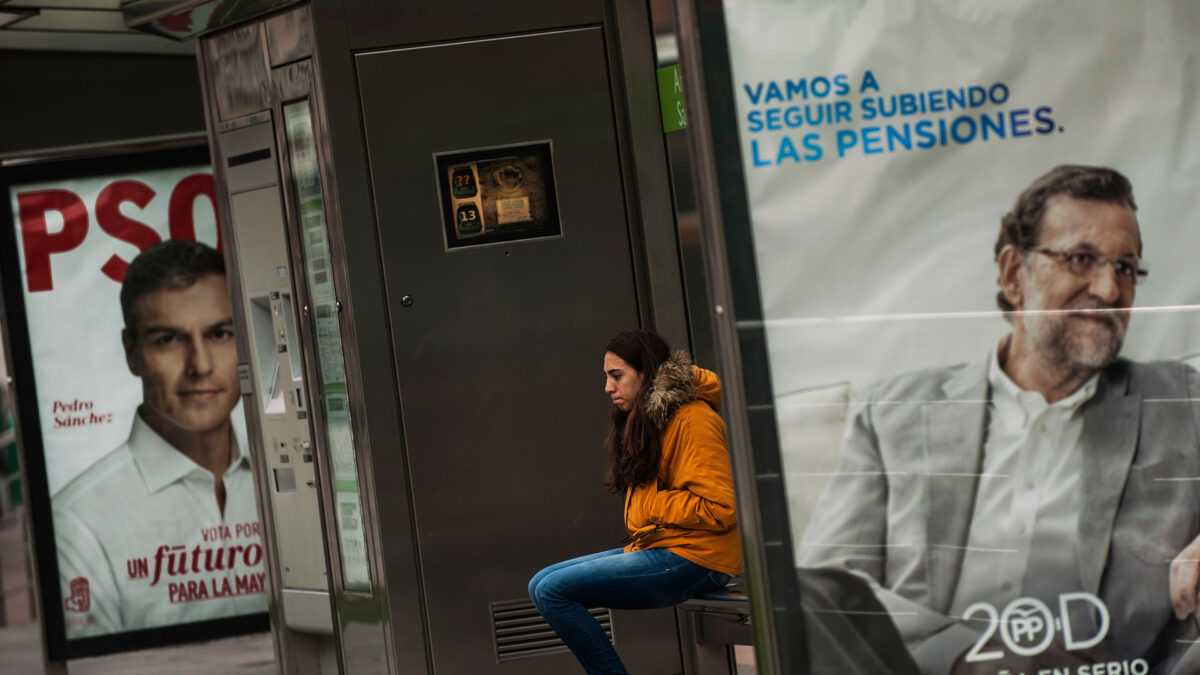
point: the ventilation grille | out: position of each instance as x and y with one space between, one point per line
520 631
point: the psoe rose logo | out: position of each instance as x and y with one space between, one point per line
81 598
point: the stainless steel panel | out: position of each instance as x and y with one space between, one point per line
262 117
238 68
373 24
498 355
259 260
331 407
262 475
248 157
364 620
375 400
282 421
308 611
297 653
647 180
289 36
691 251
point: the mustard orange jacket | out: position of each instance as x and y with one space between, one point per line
690 508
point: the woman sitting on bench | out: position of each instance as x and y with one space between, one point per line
667 455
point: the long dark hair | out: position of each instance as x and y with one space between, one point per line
632 444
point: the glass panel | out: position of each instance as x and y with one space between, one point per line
998 419
339 434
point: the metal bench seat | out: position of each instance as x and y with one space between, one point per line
709 625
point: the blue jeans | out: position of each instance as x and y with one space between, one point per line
639 580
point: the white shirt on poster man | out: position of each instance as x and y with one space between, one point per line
1026 512
142 542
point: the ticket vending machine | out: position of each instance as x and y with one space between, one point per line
435 217
292 370
274 387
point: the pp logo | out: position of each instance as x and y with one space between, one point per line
1027 626
80 599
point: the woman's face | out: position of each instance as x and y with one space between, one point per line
622 382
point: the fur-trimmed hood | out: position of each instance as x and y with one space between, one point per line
677 383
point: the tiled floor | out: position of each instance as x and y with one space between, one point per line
15 590
745 660
246 655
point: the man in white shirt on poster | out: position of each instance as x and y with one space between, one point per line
1020 513
164 529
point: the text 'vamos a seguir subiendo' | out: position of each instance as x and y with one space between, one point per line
794 121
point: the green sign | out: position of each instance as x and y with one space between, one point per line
670 99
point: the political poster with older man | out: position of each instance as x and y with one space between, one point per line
127 320
975 231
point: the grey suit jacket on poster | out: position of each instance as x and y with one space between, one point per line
899 508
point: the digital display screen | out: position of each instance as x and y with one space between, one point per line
496 195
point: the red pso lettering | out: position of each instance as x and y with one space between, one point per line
39 244
183 198
112 221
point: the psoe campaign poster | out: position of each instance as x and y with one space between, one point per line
975 225
132 397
